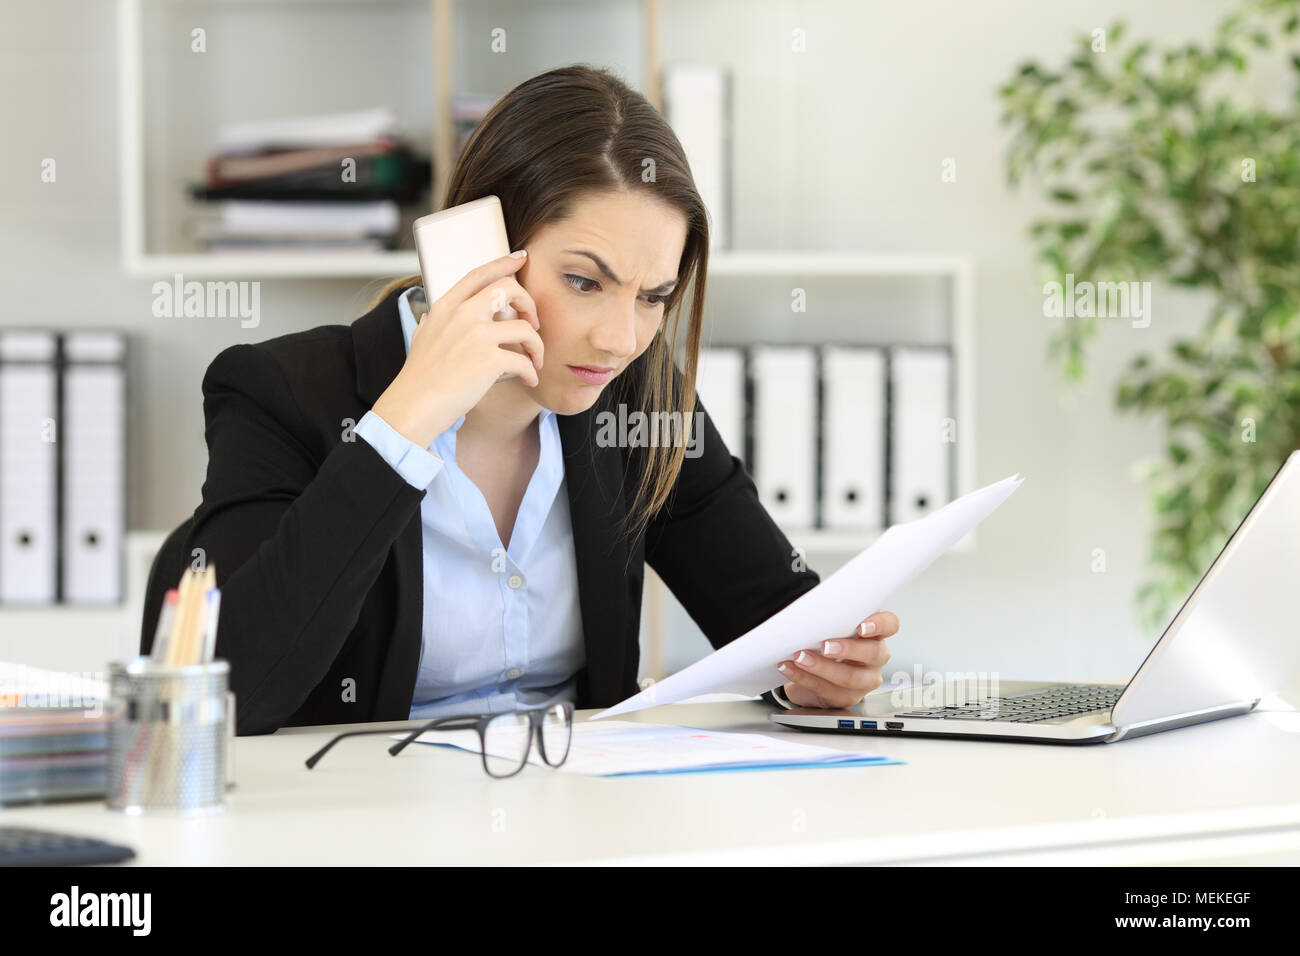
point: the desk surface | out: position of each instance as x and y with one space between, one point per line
1226 791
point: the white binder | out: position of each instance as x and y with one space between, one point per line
853 438
922 432
94 460
697 104
28 467
720 385
785 432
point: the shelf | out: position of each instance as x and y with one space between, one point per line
866 298
417 46
751 262
171 102
832 262
275 266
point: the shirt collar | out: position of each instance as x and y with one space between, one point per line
406 304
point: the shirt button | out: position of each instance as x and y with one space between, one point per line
515 581
513 673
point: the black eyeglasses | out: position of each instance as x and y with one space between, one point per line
504 739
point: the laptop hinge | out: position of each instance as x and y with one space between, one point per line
1182 720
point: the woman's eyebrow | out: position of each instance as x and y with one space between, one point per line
609 273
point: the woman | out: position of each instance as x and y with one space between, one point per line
414 515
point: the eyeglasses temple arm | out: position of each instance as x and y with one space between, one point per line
446 723
316 757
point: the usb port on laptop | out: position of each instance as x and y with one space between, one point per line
846 723
868 725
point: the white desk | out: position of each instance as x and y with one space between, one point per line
1223 792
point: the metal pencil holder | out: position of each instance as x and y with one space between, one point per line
169 748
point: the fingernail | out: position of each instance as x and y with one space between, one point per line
519 253
832 647
785 668
804 658
866 627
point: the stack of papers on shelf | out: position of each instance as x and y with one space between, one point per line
332 182
293 226
53 735
623 748
307 132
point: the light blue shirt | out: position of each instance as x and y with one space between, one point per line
502 626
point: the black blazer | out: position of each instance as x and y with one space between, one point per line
317 541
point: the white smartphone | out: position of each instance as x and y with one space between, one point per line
452 242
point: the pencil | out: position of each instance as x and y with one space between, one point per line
214 613
202 611
163 633
186 618
209 623
178 621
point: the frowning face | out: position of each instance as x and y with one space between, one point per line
600 279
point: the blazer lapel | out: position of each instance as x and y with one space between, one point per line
379 352
378 348
594 478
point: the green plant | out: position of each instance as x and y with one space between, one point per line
1162 167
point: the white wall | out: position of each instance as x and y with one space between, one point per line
836 148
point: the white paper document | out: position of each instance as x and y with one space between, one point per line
831 610
622 747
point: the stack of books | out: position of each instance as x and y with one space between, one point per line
334 182
53 735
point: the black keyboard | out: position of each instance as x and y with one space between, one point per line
1067 700
20 846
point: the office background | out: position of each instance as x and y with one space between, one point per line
839 148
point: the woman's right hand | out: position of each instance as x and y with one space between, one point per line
457 352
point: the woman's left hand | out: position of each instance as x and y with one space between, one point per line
843 670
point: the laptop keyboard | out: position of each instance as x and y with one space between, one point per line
1068 700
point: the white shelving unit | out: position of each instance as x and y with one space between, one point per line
140 260
137 258
835 262
956 271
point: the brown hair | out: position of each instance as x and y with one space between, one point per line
572 131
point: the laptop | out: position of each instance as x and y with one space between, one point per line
1234 641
